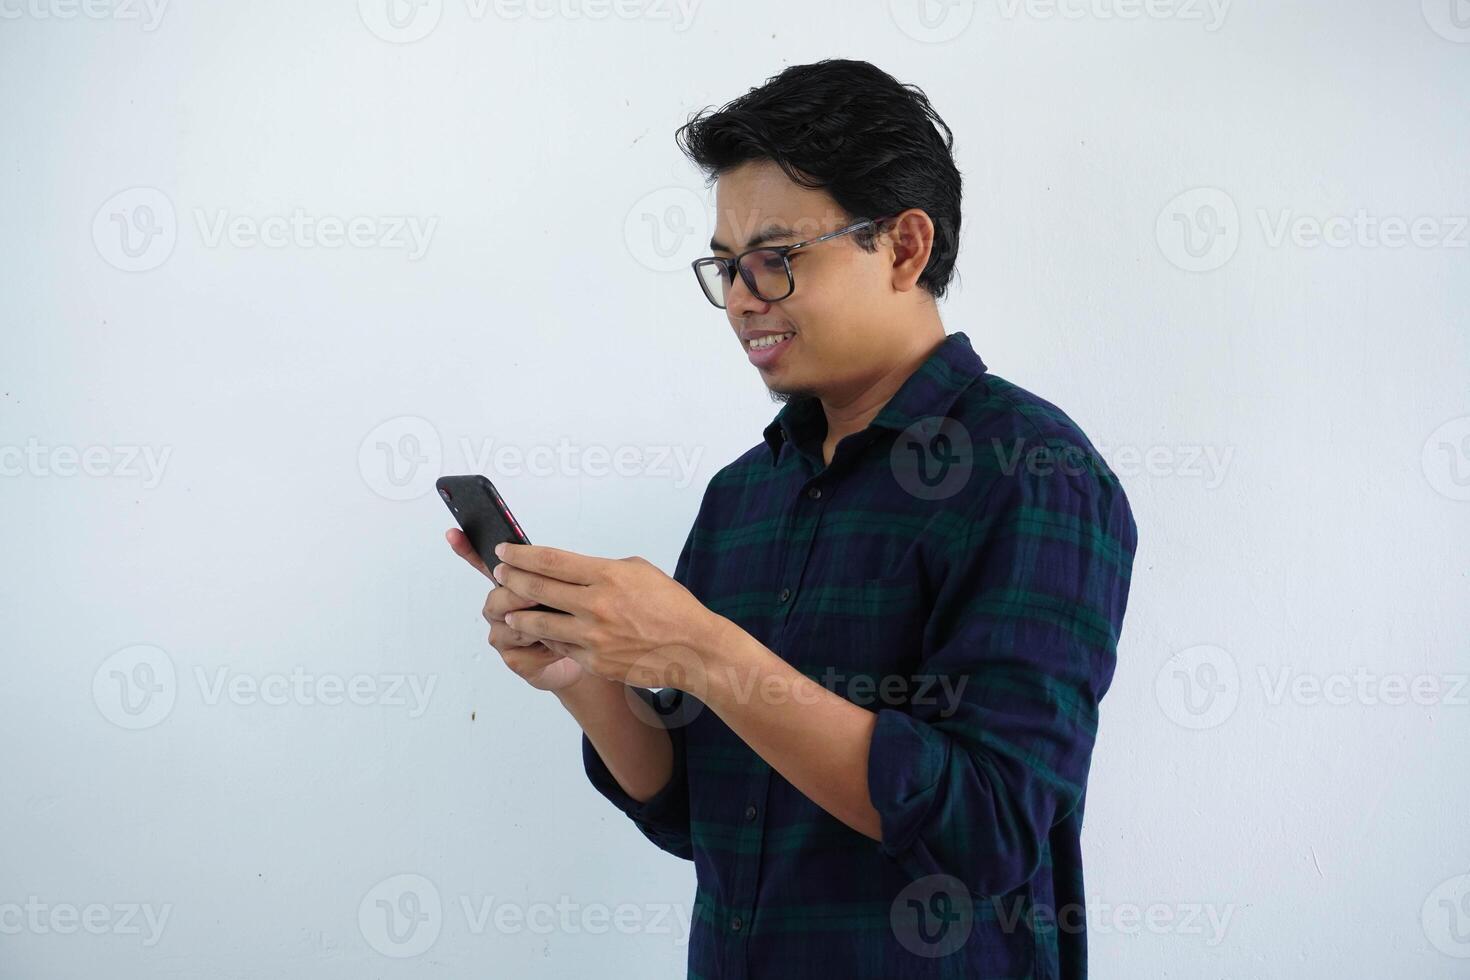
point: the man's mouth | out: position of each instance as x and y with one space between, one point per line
760 343
765 351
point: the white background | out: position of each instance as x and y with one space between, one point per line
1302 512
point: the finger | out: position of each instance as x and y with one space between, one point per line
548 626
564 566
460 542
502 600
525 662
503 638
539 588
561 649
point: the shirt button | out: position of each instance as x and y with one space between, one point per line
785 594
736 923
815 493
750 812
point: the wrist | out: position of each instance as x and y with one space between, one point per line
730 660
711 640
587 687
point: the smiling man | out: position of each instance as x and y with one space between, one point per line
882 652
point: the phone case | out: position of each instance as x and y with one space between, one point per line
482 514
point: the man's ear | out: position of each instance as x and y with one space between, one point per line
911 236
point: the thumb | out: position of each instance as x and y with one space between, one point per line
460 542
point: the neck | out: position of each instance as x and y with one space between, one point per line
853 411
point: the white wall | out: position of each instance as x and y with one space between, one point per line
1302 515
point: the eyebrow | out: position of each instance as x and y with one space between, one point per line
768 233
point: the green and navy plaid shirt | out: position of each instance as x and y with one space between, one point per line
961 569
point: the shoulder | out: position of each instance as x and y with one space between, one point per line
1017 436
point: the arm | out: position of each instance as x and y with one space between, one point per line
643 774
635 762
639 756
1025 621
815 738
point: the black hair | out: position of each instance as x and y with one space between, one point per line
873 143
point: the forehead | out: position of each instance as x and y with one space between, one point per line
758 196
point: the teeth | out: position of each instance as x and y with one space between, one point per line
759 342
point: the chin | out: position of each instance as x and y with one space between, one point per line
785 393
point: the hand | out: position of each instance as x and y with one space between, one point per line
621 619
535 662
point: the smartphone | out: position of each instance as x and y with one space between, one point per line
482 514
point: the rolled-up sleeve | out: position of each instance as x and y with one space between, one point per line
1020 646
664 817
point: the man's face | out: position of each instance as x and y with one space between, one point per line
839 337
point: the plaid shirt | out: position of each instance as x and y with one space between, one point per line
961 569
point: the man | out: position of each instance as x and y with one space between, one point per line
882 651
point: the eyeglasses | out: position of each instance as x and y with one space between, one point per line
765 270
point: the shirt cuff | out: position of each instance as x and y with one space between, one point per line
907 760
663 817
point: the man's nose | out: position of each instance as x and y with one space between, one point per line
741 302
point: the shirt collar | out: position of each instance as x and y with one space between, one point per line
927 393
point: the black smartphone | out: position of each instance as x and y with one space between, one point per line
482 514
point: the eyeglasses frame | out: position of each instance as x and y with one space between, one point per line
733 263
